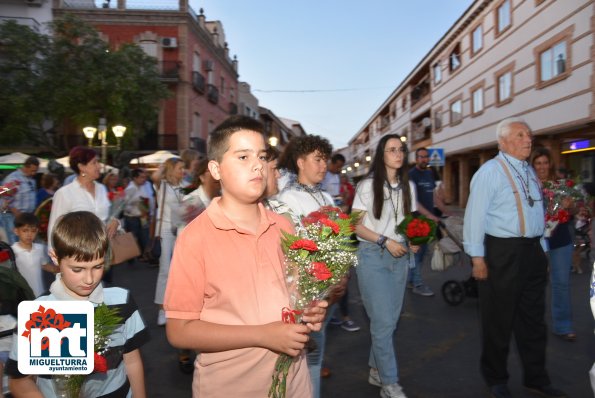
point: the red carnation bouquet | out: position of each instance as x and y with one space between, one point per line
317 258
117 200
418 230
558 195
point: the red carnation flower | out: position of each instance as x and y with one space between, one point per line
305 244
563 216
343 216
330 223
320 271
569 183
100 363
313 218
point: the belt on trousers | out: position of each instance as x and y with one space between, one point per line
518 240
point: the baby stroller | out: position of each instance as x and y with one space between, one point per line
582 240
451 248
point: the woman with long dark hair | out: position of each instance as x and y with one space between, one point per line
384 198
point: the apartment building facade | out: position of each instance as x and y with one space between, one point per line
528 58
193 57
32 13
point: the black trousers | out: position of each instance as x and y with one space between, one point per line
512 301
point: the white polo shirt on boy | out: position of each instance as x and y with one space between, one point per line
29 263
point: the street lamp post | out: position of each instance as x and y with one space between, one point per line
101 131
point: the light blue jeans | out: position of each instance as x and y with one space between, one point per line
314 358
560 264
415 274
7 223
382 279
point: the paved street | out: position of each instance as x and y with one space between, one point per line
438 345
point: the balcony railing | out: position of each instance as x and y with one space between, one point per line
198 82
384 122
169 70
419 92
212 94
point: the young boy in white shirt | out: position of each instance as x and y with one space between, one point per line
31 257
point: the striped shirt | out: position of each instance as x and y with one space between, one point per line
131 335
25 197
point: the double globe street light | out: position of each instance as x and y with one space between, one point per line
101 131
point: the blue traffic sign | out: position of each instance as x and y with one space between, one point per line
436 156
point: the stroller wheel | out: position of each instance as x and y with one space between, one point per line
453 292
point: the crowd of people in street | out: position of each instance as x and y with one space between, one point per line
218 222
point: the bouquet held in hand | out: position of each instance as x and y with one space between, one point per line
418 230
559 195
317 258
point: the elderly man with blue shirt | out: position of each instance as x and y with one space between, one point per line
503 234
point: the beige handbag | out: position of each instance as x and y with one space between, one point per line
124 248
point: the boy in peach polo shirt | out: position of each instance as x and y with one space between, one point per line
226 286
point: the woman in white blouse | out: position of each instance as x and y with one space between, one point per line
169 195
384 198
84 193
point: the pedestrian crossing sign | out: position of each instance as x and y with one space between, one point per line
436 157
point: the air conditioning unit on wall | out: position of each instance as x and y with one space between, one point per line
34 3
209 65
169 42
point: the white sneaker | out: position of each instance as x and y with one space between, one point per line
392 391
374 378
161 318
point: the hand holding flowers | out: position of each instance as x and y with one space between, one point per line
317 258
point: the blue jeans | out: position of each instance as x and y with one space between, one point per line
140 232
560 263
7 223
415 274
314 358
382 279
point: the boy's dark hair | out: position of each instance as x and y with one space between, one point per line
26 219
31 161
81 236
136 172
303 146
337 157
272 153
219 138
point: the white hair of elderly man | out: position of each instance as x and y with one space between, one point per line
504 126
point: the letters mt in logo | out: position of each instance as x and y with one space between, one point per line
55 337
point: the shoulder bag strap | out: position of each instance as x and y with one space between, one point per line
164 185
517 197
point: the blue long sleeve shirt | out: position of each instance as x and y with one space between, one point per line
492 208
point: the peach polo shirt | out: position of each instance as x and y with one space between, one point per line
223 274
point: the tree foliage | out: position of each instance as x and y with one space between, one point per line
72 78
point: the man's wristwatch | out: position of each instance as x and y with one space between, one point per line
381 241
